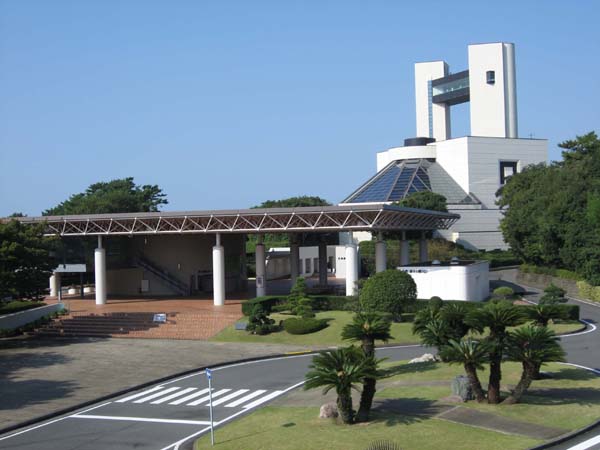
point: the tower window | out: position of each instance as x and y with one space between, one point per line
507 170
490 77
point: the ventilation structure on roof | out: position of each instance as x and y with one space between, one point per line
401 178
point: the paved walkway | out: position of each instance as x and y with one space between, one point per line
40 376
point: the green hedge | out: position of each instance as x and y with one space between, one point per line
319 303
551 271
303 326
16 306
588 291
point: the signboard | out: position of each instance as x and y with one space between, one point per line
209 374
71 268
161 318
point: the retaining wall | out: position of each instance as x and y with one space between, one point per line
18 319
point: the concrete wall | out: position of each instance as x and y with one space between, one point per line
468 283
424 72
18 319
396 153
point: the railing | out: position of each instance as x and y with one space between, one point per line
179 287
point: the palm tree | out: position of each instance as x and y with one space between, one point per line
541 314
497 317
435 333
367 327
471 354
341 369
455 314
532 346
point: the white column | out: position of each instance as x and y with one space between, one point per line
218 260
404 250
294 259
323 263
261 273
423 250
54 283
100 273
380 255
351 269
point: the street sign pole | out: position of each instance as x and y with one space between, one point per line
212 428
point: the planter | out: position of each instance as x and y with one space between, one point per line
88 290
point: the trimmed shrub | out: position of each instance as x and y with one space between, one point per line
296 325
571 311
304 308
552 295
267 302
18 305
503 293
435 303
334 303
259 322
389 291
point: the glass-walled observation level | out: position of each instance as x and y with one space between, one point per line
451 89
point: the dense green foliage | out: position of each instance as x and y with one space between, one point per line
389 291
115 196
318 303
553 295
294 202
552 212
259 322
551 271
424 200
300 325
503 293
25 261
342 370
17 305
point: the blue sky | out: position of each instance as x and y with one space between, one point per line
225 104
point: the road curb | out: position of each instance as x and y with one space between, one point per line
566 437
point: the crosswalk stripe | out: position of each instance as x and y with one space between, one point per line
157 394
263 399
244 399
172 396
139 394
189 397
230 396
207 398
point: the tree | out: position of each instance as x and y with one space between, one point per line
553 295
532 346
541 313
367 327
116 196
25 260
471 354
424 200
294 202
552 212
437 325
497 317
388 291
341 369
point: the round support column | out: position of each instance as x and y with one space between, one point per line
100 273
261 272
380 256
423 250
351 269
294 260
404 250
218 261
322 263
54 284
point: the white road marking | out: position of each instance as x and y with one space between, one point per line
230 396
245 398
189 397
139 394
596 371
586 444
156 395
140 419
51 422
266 398
207 398
172 396
589 324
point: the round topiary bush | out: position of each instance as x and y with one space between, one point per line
503 293
435 303
297 325
389 291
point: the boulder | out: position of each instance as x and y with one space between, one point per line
462 388
424 358
328 411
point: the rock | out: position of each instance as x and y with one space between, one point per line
427 357
462 388
328 411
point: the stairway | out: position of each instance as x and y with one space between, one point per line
171 281
138 325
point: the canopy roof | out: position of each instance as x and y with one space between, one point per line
372 217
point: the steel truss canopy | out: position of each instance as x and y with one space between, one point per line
369 217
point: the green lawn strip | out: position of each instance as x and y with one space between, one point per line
299 428
402 332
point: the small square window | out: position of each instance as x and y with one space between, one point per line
490 77
507 170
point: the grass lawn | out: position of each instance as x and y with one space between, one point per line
569 400
330 336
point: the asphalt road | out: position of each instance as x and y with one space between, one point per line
165 415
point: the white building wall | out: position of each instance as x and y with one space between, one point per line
413 152
453 156
425 72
